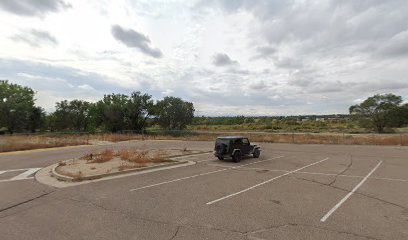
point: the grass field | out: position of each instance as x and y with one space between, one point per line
27 142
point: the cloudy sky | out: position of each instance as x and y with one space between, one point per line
242 57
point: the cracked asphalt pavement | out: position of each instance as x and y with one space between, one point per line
282 195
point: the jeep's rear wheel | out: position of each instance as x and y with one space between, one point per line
220 158
256 153
236 157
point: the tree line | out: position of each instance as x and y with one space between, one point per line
137 111
381 112
113 113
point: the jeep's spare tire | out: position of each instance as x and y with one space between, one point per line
220 148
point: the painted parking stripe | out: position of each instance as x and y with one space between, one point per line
25 174
325 217
312 173
265 182
201 174
22 176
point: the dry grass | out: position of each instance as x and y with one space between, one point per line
306 138
300 138
134 155
102 157
142 156
20 142
61 164
125 166
112 137
28 142
159 157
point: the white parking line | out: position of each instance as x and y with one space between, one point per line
25 174
201 174
212 159
12 180
312 173
324 218
22 176
390 179
265 182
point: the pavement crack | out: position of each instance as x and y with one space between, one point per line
340 173
175 234
309 226
357 193
26 201
131 216
338 231
93 204
267 228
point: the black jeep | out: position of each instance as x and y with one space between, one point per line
235 147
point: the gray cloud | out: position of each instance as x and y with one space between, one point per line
397 46
288 63
222 59
259 85
57 79
346 27
134 39
381 85
264 52
300 81
33 7
35 38
238 71
324 87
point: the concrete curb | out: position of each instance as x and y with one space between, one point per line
44 176
61 177
49 176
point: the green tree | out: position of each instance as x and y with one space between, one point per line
71 115
174 113
111 111
79 110
376 111
36 119
16 106
399 116
139 108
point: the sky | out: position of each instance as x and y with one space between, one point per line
242 57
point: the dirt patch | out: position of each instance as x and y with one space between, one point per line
110 162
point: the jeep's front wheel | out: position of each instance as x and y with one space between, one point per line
256 153
220 158
236 157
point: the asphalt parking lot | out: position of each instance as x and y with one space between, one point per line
290 192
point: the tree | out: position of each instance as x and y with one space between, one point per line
376 111
112 110
139 108
16 106
36 119
71 115
399 116
116 112
79 110
174 113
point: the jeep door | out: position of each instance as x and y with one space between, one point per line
246 147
